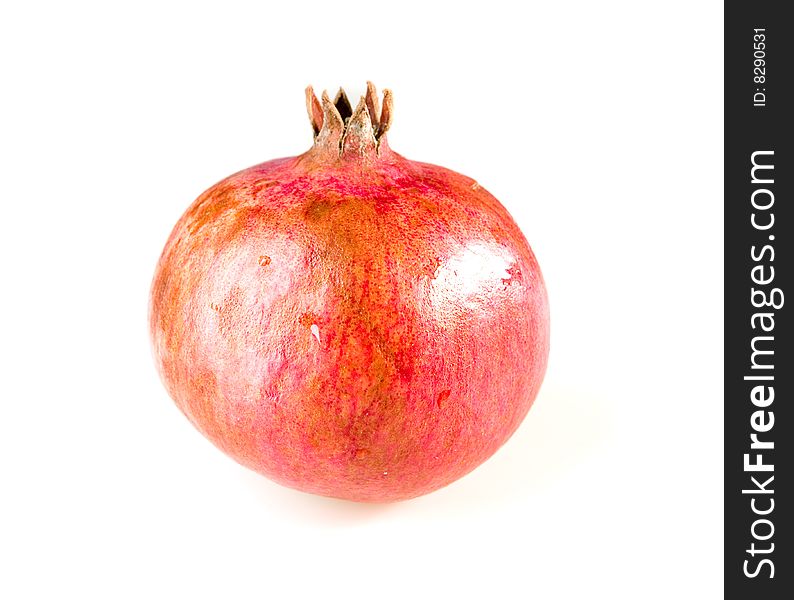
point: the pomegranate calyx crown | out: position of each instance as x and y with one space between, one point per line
341 130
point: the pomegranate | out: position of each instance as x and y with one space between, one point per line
348 322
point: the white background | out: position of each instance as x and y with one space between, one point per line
597 124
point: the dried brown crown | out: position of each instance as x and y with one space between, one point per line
337 127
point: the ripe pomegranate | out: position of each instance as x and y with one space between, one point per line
348 322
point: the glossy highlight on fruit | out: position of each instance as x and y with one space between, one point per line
348 322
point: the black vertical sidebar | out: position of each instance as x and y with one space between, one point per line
759 301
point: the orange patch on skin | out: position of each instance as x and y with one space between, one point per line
264 260
307 319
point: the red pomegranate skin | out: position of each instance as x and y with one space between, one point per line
348 322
